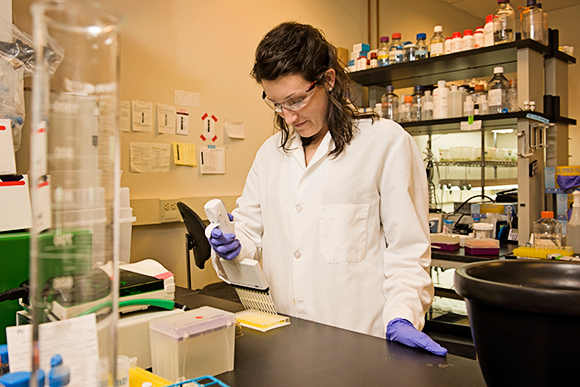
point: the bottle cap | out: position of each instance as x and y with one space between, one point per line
453 87
421 36
384 38
438 29
441 84
408 98
467 32
483 226
397 35
489 19
390 88
418 88
3 354
373 55
547 214
448 38
503 1
530 2
498 70
456 34
480 28
408 44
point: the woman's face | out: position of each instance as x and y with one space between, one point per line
310 119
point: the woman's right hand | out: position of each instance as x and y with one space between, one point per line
227 246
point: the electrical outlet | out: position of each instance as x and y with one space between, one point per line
168 211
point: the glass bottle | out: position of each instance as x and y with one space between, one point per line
396 49
407 112
383 53
531 19
418 97
390 102
504 23
437 42
427 106
545 33
421 49
497 90
409 52
547 230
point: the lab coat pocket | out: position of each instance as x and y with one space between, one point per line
343 232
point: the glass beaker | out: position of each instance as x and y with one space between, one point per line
74 168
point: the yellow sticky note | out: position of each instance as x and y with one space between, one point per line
184 154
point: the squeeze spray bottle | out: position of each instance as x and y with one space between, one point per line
573 228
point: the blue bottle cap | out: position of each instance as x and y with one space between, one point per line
56 360
421 36
407 42
390 88
20 379
418 87
4 353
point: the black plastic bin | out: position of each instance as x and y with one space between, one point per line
525 320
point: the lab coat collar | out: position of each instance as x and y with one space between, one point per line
325 147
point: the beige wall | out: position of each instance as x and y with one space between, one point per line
207 46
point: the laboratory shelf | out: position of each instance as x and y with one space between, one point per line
477 163
460 65
488 122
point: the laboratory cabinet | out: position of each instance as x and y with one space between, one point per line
540 139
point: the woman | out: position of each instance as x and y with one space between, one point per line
336 202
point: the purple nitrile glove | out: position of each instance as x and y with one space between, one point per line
227 245
402 331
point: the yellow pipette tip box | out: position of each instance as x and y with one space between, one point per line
261 321
138 376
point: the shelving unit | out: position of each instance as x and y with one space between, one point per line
540 70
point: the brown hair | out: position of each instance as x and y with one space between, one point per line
294 48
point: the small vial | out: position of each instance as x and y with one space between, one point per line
447 227
526 105
532 106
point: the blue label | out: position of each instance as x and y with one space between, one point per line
421 54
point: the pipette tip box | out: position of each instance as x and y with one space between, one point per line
261 321
192 344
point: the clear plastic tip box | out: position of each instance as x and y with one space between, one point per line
195 343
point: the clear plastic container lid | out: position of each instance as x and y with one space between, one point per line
193 322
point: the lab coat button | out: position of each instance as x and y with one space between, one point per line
298 208
297 254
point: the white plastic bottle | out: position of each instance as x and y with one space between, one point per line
456 42
383 52
468 106
497 90
504 23
468 42
427 106
440 95
478 39
488 31
531 19
447 44
573 228
374 62
454 102
437 43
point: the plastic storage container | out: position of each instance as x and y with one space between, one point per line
483 230
497 92
195 343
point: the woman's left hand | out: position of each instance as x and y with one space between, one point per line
404 332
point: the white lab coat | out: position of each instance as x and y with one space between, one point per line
344 241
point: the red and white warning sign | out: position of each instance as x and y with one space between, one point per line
208 127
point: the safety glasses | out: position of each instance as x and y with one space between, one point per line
292 103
